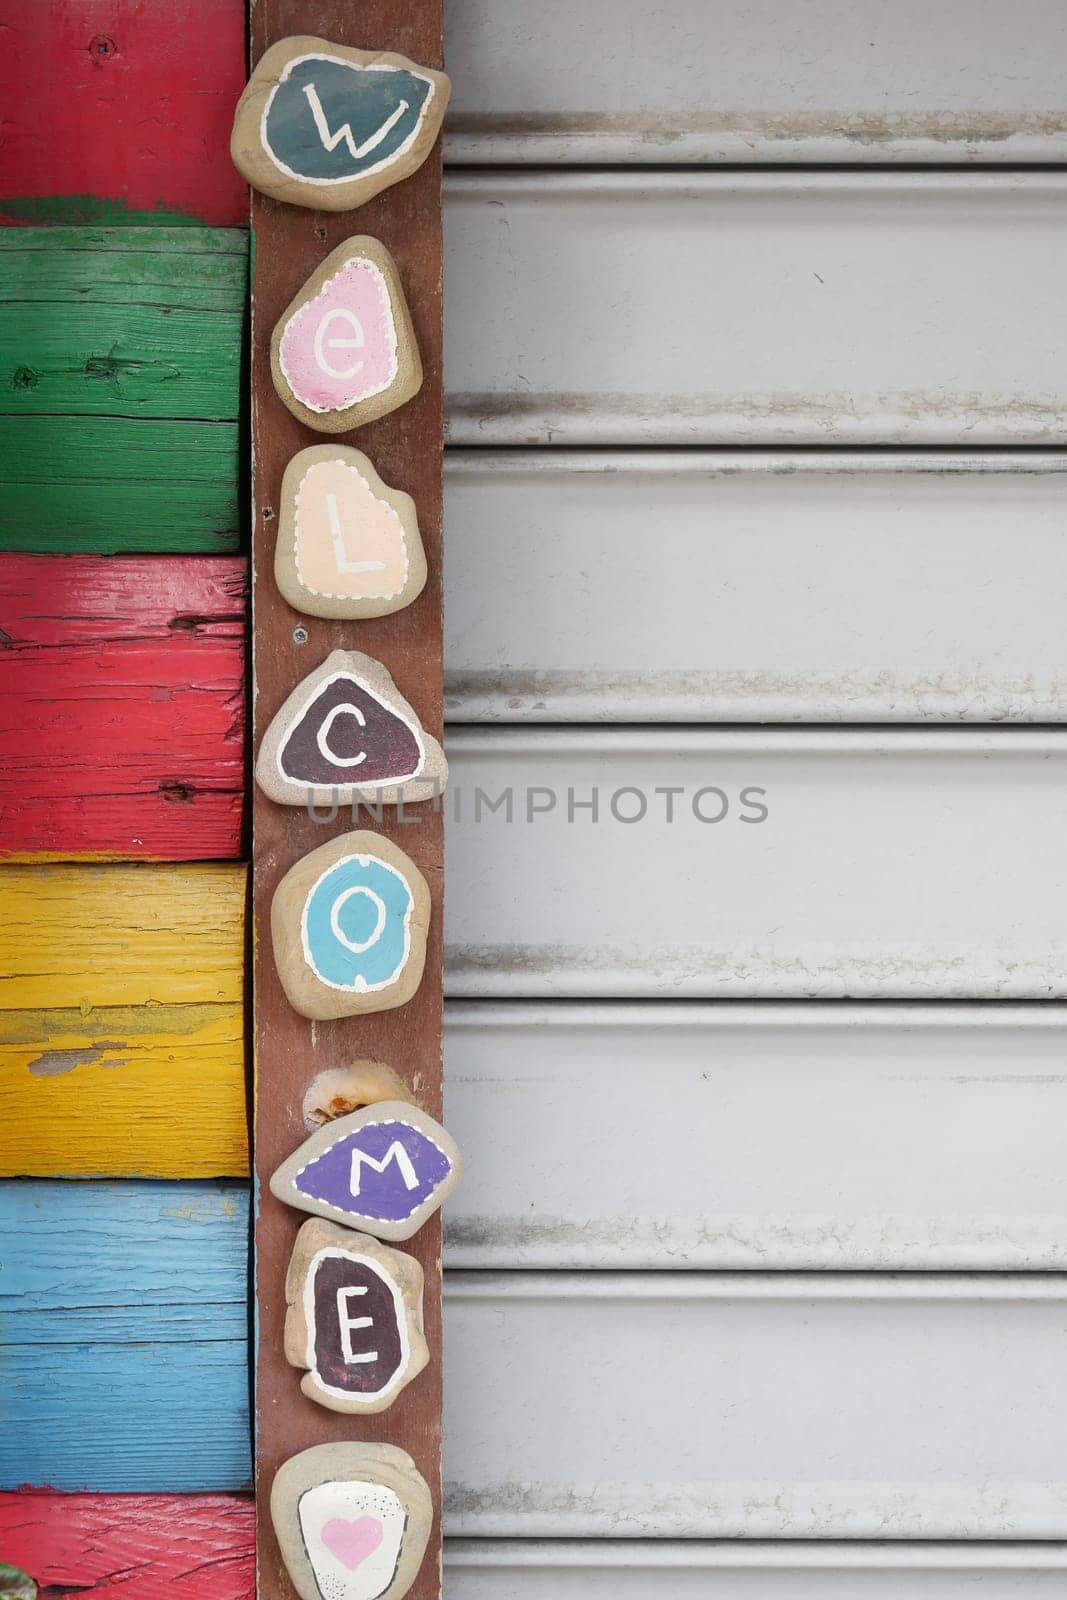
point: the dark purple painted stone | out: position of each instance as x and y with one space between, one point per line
387 1195
382 1338
388 746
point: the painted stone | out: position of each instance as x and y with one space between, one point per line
352 1521
349 924
343 352
383 1169
354 1318
348 545
346 732
326 126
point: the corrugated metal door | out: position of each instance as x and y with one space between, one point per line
756 572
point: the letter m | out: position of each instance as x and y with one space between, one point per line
395 1153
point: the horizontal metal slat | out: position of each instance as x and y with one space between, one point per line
684 81
911 865
683 587
784 1137
567 1569
755 1406
704 308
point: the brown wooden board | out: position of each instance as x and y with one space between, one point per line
289 243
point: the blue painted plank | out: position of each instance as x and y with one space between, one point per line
124 1319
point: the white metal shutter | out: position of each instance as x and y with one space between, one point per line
757 1280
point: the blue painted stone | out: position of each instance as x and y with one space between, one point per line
356 924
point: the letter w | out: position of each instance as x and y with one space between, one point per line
395 1152
332 140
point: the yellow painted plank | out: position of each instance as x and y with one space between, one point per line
88 936
129 1091
122 1035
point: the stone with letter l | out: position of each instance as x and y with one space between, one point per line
348 543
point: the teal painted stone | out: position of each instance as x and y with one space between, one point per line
329 127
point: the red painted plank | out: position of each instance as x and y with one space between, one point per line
121 707
133 1546
122 106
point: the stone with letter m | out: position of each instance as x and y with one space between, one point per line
383 1170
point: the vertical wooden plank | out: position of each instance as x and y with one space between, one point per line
289 242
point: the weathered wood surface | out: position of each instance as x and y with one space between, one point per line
121 1006
121 350
405 448
130 322
785 586
93 936
125 1330
125 1091
122 695
755 308
116 109
666 82
110 484
133 1546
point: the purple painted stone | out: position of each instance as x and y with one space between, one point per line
384 1170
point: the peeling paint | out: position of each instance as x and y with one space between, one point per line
54 1062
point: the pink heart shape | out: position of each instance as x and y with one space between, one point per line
352 1540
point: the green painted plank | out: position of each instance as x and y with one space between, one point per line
123 360
120 370
196 268
163 239
104 322
104 485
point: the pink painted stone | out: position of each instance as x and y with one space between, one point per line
352 1540
340 347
